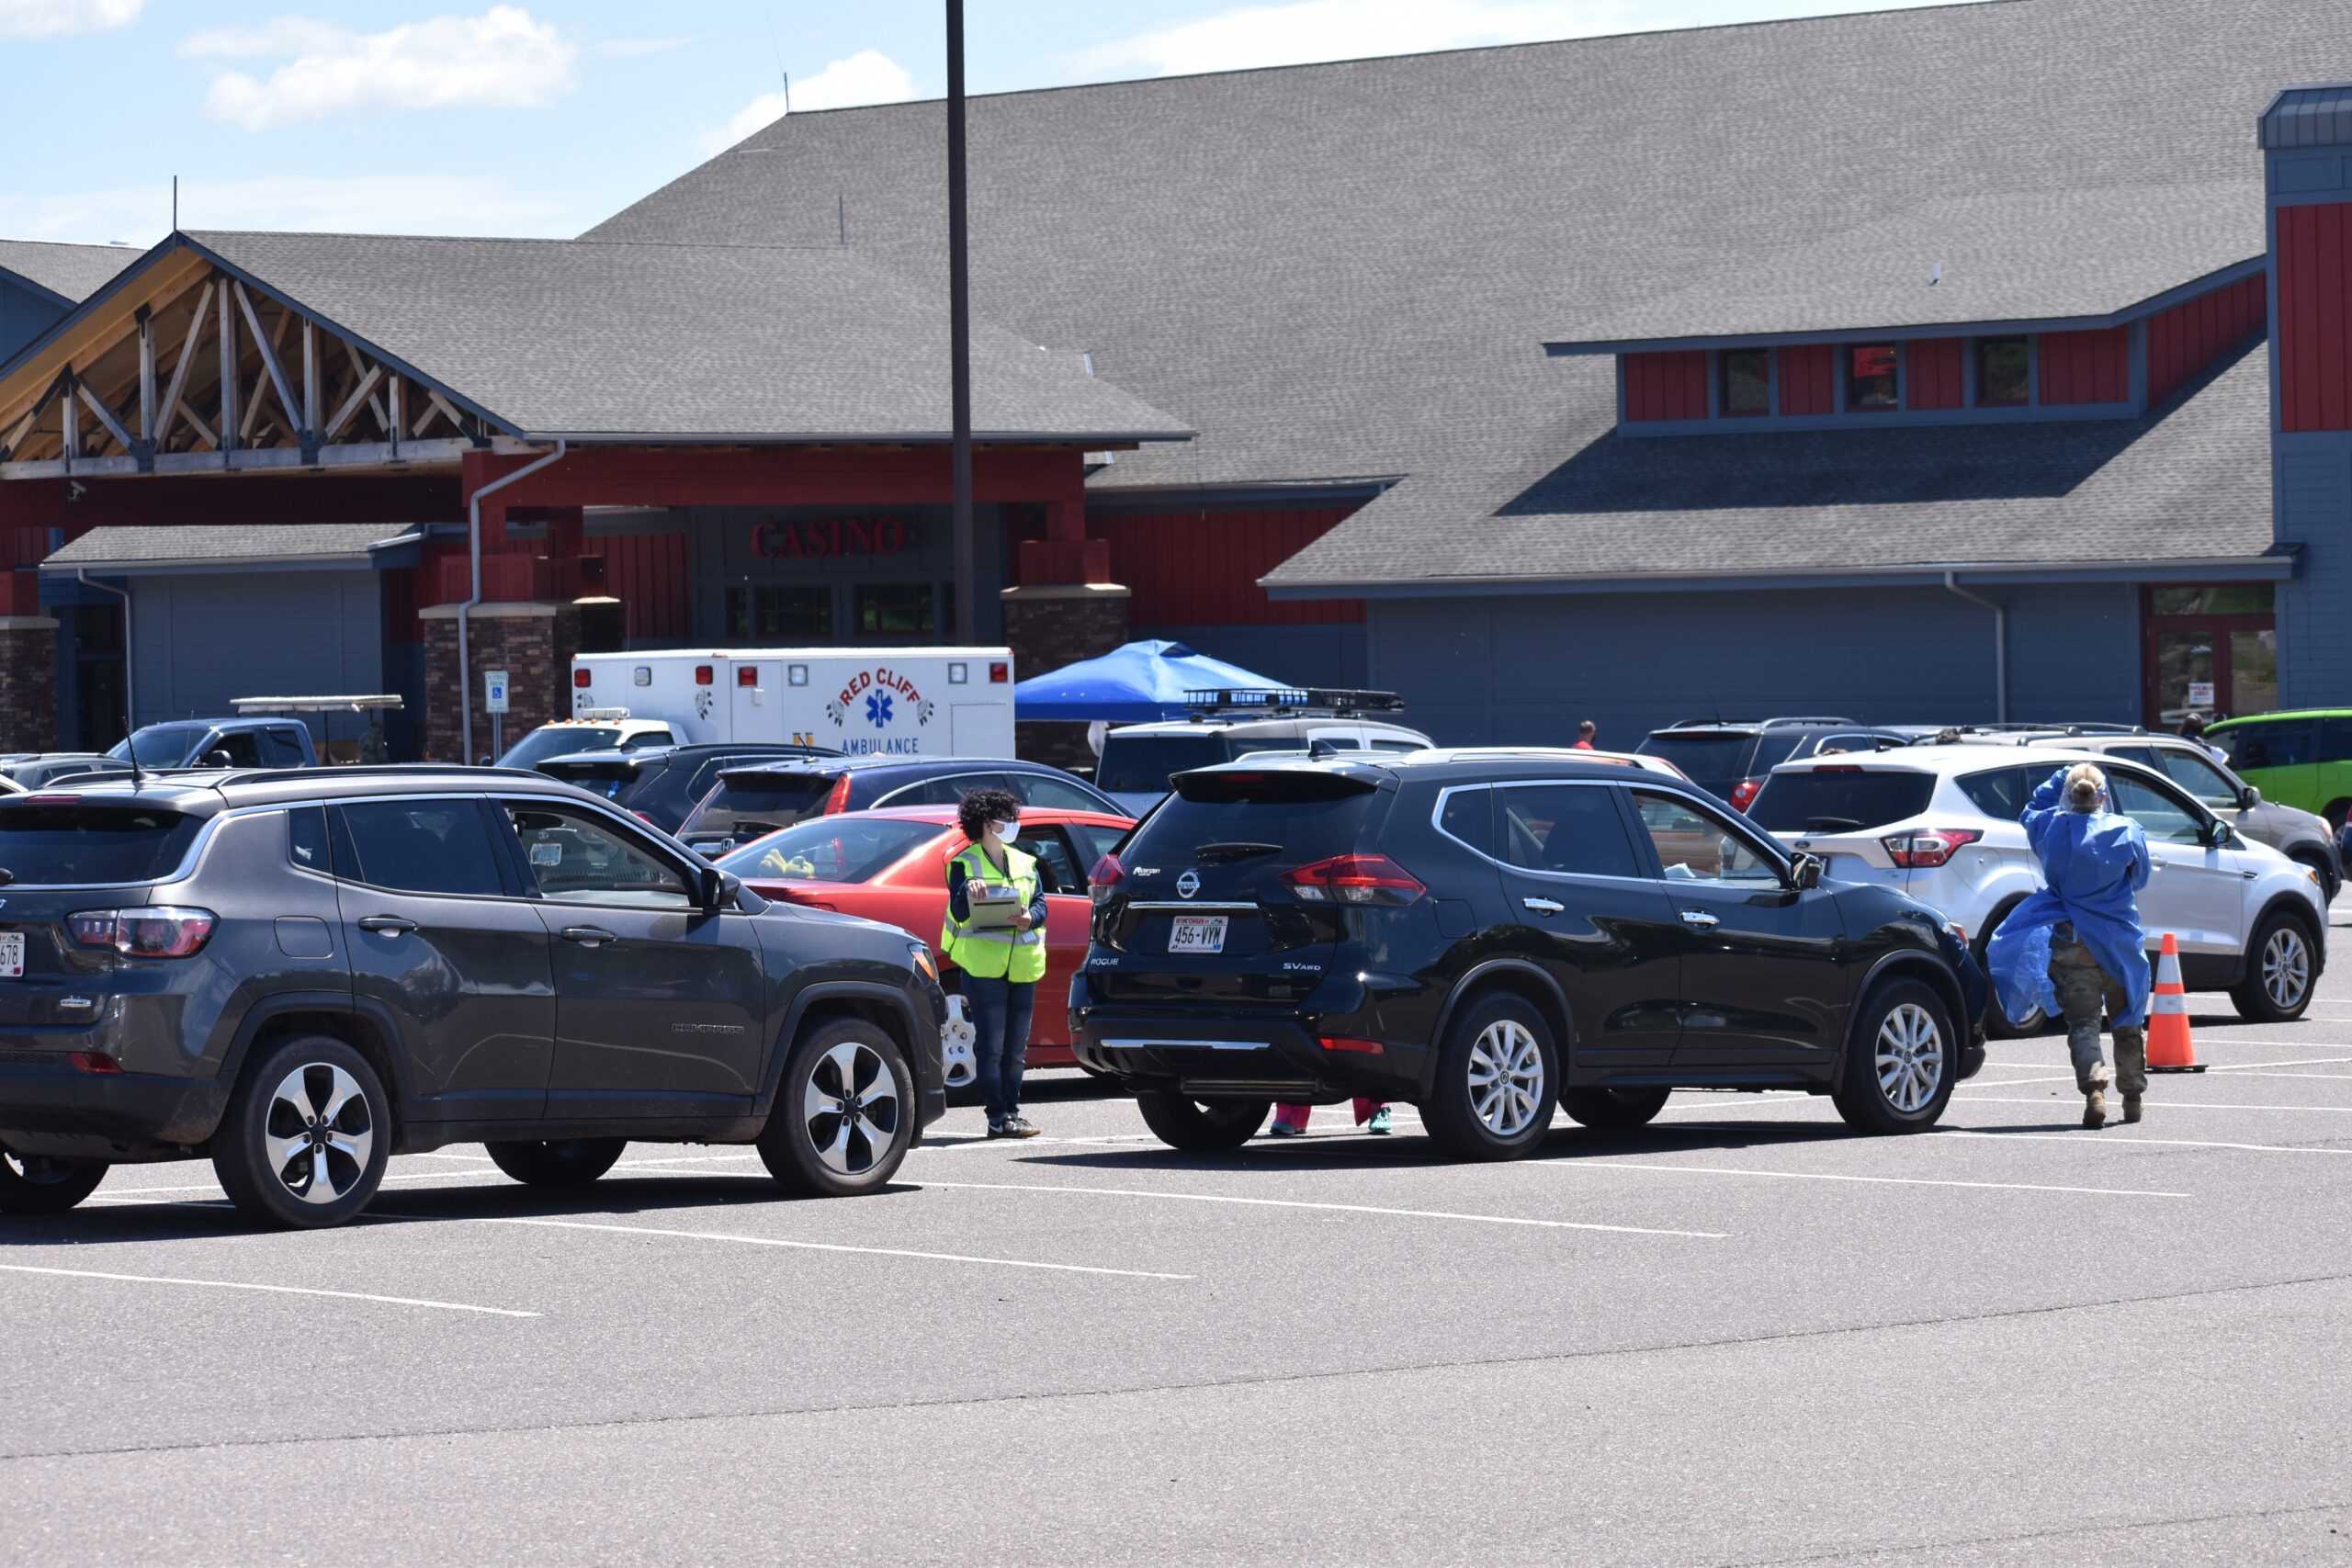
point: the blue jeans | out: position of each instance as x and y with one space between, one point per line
1001 1011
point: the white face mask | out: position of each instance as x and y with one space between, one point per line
1004 831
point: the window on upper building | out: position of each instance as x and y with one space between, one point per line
2003 373
1871 381
1748 382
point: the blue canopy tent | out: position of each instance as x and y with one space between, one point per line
1134 684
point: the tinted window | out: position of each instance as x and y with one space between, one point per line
1838 800
578 859
647 738
1141 764
555 740
1053 794
2335 741
240 749
1312 817
162 744
611 778
760 803
833 849
306 838
1571 829
2001 793
61 845
1468 814
2197 776
2165 821
2285 743
418 846
1694 847
1094 841
285 750
1055 864
1831 745
1710 759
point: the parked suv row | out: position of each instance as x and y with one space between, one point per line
301 974
1487 935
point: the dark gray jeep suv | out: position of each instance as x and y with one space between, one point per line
301 974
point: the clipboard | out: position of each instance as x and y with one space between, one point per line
995 909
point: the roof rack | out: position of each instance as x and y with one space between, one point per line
1321 702
339 772
2053 729
1758 723
360 703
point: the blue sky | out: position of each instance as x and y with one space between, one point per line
466 117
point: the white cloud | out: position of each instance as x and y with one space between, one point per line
54 18
501 59
371 204
869 76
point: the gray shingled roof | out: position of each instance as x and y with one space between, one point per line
72 273
1349 269
556 337
118 546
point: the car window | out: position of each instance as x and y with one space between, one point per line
650 738
285 749
62 844
947 789
832 849
239 749
2281 743
1056 861
2335 740
1839 798
2165 821
1571 830
577 858
1095 840
1832 745
1141 764
2143 755
417 846
1053 794
2197 776
306 838
1694 847
2000 793
1469 814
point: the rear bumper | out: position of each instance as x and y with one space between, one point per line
1199 1051
48 1106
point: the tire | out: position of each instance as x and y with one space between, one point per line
306 1134
2337 810
1613 1109
2280 972
36 1184
556 1162
1998 1023
1498 1081
844 1114
1201 1127
1901 1062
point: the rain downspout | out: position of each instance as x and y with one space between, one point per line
2000 644
130 669
466 610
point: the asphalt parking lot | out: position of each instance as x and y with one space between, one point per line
1740 1337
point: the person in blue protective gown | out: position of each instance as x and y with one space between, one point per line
2076 947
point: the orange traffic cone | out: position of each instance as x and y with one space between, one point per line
2170 1050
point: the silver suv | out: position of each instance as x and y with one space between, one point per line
1138 759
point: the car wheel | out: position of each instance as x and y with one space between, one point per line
1998 1023
1498 1077
36 1184
1613 1109
845 1115
556 1162
306 1136
2279 971
1201 1127
1900 1068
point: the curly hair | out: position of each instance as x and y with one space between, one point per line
981 806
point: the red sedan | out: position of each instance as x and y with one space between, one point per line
892 866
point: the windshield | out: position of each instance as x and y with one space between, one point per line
48 846
163 745
760 803
1840 800
832 849
549 741
1712 758
1141 764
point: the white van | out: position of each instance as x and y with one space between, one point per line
905 702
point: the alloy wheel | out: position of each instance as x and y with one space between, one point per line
319 1132
851 1108
1910 1057
1505 1077
2286 966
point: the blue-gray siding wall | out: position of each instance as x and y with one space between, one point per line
1301 656
1525 669
2311 484
202 640
24 316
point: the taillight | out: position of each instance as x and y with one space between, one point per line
747 674
1106 876
1350 1043
1354 879
837 800
94 1062
1744 793
162 932
1000 673
1930 848
702 674
582 679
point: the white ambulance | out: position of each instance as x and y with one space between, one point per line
901 702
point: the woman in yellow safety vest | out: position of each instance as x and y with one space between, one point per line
1002 958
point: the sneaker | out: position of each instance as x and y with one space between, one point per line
1019 1127
1001 1129
1284 1130
1379 1124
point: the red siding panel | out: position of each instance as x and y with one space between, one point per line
2086 367
648 573
1808 379
1666 386
1200 569
2187 338
1933 374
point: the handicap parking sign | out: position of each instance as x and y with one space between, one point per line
493 691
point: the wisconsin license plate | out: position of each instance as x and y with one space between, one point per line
12 956
1197 933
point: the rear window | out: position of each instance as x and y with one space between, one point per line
832 849
605 778
1836 800
1711 761
50 846
1142 764
554 740
1311 817
767 800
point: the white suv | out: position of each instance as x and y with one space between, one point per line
1941 823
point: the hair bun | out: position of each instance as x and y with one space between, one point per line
2085 784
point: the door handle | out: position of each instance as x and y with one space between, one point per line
1700 919
588 936
1544 906
393 924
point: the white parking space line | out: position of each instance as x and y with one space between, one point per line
276 1290
1327 1208
2112 1139
1603 1164
1973 1084
2166 1104
825 1247
2263 1072
134 1194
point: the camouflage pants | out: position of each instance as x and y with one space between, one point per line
2086 994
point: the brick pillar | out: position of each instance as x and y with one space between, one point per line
532 642
1047 627
27 684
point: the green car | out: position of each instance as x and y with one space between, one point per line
2302 758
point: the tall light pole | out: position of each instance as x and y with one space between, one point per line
959 332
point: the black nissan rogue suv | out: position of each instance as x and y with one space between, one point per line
303 973
1486 934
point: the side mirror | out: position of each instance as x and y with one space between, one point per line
2249 797
2220 835
1806 873
719 889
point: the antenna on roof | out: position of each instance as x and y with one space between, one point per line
779 65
